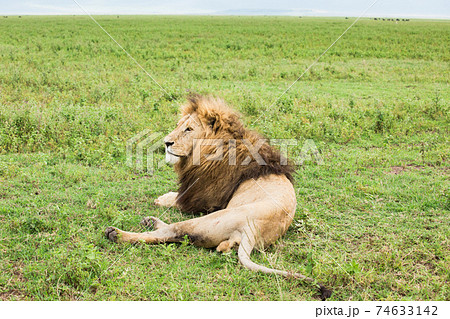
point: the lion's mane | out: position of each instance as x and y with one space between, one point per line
209 186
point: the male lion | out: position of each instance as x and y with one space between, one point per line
245 189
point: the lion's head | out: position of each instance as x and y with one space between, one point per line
202 118
208 183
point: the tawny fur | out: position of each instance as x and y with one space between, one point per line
248 204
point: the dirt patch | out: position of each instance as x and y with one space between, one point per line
12 294
397 170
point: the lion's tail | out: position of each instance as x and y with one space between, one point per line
245 249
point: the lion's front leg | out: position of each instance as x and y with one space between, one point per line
161 235
167 200
207 231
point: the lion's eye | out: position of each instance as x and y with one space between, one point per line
188 129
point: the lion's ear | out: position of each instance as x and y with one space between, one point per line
212 122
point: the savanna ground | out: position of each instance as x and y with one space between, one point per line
372 221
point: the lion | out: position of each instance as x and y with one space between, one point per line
241 184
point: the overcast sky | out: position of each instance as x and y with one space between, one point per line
383 8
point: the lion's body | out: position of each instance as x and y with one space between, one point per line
249 204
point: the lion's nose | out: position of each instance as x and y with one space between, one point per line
169 143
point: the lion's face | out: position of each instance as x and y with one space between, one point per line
179 143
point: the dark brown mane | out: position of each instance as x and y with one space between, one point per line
209 186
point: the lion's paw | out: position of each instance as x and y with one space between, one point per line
112 233
167 200
152 222
147 222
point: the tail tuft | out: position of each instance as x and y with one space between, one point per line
324 292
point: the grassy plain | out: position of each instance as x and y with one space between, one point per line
372 221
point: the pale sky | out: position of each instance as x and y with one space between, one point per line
383 8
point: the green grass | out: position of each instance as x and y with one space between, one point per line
372 222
